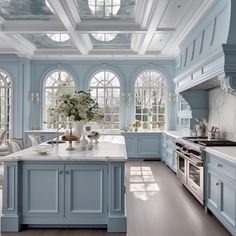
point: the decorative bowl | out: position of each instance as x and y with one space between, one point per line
42 148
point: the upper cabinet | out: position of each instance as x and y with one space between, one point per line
207 56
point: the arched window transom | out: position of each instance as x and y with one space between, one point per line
150 100
5 103
105 88
56 84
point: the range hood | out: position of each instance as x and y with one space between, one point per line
207 56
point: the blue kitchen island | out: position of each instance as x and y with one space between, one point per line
66 188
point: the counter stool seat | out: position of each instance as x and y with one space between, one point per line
4 150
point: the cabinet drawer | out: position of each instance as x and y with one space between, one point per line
221 166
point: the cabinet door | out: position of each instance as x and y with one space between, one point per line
212 190
149 146
227 205
43 190
131 142
86 191
174 155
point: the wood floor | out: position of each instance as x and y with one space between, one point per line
157 205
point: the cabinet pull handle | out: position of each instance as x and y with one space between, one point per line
217 183
61 172
219 165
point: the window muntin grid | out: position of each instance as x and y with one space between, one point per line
56 84
150 99
104 8
6 104
104 37
105 88
59 37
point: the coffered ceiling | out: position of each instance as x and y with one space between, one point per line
70 29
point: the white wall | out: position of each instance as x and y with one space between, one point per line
222 112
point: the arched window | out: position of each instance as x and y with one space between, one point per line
5 103
104 8
105 88
57 83
150 100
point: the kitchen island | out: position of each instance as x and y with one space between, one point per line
66 188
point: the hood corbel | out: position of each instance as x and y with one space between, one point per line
228 83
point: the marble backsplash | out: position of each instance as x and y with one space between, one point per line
222 113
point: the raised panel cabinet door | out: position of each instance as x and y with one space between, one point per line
86 191
149 146
212 190
227 205
43 190
131 143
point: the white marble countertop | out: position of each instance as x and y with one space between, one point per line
109 148
44 131
142 132
225 153
176 133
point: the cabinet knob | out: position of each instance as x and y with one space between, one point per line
217 183
61 172
67 172
219 165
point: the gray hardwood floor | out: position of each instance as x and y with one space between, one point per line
157 205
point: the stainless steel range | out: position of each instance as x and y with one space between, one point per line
190 162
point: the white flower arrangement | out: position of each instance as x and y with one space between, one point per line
78 106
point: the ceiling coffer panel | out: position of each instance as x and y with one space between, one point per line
25 10
108 9
50 40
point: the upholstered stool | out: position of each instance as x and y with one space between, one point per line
4 150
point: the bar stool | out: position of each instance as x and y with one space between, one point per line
34 139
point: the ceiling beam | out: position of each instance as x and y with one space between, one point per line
33 26
85 27
19 43
63 13
155 11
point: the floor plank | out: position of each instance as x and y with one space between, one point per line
157 205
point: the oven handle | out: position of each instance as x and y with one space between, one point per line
196 163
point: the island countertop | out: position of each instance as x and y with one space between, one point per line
110 147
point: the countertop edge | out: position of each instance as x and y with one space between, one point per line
221 154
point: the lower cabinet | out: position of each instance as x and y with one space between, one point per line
221 194
74 193
143 145
169 155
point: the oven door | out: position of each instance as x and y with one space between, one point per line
181 168
195 178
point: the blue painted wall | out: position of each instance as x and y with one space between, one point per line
28 76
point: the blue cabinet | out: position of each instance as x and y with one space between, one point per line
86 191
54 193
221 191
49 190
168 151
143 145
43 191
131 143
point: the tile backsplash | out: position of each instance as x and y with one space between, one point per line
222 113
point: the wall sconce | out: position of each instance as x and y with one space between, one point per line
126 96
172 97
35 97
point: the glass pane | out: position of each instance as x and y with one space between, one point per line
194 174
106 84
